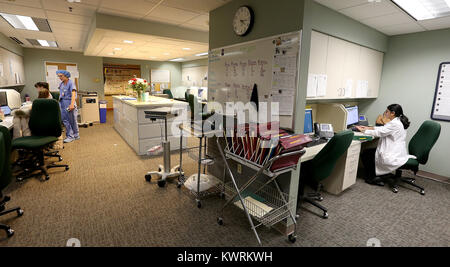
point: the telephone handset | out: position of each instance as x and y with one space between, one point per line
324 130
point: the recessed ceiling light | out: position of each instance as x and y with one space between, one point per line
153 57
128 41
20 22
186 48
43 43
177 59
202 54
118 49
424 9
166 54
74 1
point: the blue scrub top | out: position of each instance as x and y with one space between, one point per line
65 90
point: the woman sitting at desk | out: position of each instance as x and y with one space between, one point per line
391 152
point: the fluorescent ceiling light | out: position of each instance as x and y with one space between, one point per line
166 54
128 41
425 9
177 59
118 49
44 43
202 54
186 48
20 22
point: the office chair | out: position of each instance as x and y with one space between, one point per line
320 168
168 92
45 126
419 146
55 95
192 100
6 177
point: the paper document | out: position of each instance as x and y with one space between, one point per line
322 85
362 89
348 89
73 71
311 91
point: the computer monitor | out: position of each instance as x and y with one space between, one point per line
3 99
309 126
353 115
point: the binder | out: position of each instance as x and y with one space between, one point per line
290 144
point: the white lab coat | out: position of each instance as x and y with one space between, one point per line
391 151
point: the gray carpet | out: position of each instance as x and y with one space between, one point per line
104 200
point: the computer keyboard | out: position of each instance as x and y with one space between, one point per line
355 129
316 143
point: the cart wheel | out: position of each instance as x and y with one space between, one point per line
179 185
60 159
222 195
422 192
20 213
292 238
148 177
47 177
67 168
91 124
395 190
220 221
85 126
325 215
9 232
162 183
199 204
159 169
19 179
320 199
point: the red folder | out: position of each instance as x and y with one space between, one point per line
290 144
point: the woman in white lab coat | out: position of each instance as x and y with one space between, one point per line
391 152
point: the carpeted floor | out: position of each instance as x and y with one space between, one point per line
104 200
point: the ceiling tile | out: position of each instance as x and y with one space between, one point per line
26 3
172 14
402 29
21 10
58 16
201 6
140 7
202 20
436 24
388 20
119 13
63 7
341 4
370 10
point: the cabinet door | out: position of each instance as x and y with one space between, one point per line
335 67
351 68
319 52
370 67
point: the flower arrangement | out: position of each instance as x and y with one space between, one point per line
138 85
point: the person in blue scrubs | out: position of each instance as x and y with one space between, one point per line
69 111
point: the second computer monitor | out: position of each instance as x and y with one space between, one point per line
353 115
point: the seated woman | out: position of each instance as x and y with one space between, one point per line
43 86
391 152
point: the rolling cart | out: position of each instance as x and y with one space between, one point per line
260 201
89 109
203 160
164 171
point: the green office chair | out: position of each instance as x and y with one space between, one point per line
45 126
55 95
419 146
6 177
168 92
320 168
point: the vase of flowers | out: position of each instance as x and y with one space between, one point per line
139 86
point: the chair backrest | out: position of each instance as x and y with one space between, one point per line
5 155
45 118
424 140
324 162
168 92
55 95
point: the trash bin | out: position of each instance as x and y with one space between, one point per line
103 104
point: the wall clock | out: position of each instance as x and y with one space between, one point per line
243 20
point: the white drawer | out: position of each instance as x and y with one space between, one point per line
146 144
130 112
153 129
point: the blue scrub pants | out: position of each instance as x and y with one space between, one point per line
69 119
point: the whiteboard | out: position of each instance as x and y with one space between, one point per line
270 63
160 76
441 105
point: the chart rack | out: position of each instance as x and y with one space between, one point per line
262 202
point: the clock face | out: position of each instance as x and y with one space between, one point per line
243 20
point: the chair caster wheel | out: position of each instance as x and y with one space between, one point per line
320 199
9 232
395 190
67 168
220 221
19 179
199 204
179 185
292 238
162 183
148 177
46 177
20 213
422 192
325 215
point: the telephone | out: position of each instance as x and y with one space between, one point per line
324 130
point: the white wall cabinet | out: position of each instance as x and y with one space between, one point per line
344 63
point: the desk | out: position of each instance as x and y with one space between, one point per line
141 133
8 122
345 172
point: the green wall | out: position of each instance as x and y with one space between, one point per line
409 78
147 66
90 68
271 18
10 45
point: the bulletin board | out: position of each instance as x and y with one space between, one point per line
116 77
441 104
270 63
160 78
52 78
